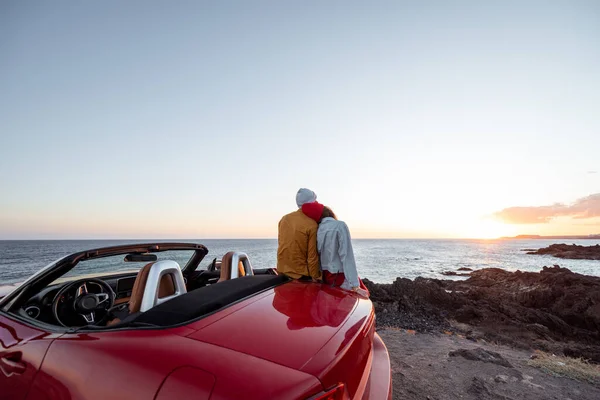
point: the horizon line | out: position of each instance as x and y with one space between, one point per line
248 238
580 237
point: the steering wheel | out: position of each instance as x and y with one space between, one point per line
84 304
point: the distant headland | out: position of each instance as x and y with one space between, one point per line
593 236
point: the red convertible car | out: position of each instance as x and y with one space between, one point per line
127 322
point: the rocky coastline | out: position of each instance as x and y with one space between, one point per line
554 310
570 251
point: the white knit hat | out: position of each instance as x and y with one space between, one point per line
305 196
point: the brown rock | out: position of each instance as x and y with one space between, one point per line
572 251
452 273
482 355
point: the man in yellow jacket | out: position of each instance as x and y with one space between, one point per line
297 255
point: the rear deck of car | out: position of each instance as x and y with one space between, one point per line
313 328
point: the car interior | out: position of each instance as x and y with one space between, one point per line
138 286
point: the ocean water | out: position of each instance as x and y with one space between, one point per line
378 260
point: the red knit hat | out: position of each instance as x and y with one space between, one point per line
313 210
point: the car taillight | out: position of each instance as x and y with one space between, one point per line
336 393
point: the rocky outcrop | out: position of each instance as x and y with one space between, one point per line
452 273
482 355
553 310
571 251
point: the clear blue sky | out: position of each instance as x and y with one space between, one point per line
201 119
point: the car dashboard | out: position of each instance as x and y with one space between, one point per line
39 306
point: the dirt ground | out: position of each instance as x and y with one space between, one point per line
434 366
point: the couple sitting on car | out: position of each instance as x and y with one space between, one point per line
313 235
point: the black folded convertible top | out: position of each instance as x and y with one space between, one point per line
206 300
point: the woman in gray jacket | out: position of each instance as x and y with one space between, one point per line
335 248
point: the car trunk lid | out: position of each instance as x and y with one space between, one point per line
324 331
288 326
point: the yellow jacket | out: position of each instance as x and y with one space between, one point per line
297 254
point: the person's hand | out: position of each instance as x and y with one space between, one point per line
360 292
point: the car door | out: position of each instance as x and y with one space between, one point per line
114 365
22 350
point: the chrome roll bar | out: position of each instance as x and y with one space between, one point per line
156 273
235 260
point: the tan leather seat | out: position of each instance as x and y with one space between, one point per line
226 267
166 288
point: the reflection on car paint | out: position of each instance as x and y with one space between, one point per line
328 306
